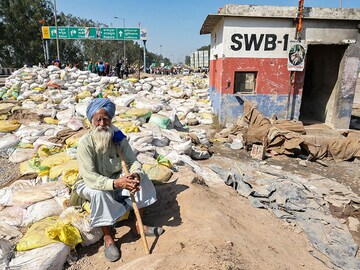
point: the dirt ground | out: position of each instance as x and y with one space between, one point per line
210 226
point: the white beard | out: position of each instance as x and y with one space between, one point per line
102 137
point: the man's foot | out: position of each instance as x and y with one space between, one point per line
112 253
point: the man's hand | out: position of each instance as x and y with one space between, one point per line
130 182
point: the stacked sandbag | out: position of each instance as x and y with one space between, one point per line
42 118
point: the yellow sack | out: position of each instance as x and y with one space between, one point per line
45 151
70 177
123 124
74 139
84 94
138 112
66 233
9 125
6 107
157 173
131 129
50 120
4 117
133 80
55 159
29 166
36 236
57 170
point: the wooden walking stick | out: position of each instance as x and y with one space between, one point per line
134 205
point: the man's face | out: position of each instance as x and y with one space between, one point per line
101 119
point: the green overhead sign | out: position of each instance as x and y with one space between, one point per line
64 32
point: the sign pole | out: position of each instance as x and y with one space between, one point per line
144 55
57 35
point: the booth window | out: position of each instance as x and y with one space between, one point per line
244 82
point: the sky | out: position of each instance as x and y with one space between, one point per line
173 26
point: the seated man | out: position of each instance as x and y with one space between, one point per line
102 180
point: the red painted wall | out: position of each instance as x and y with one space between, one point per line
272 75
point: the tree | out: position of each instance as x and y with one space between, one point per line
20 31
187 60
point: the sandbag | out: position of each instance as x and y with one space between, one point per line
90 235
159 120
157 173
52 256
9 125
41 210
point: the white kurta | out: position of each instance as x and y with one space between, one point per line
97 173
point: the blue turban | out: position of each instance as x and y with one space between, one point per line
100 103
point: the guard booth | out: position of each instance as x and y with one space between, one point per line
255 55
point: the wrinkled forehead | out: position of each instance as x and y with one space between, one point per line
100 112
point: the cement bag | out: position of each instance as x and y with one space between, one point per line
51 161
52 257
75 123
8 141
22 154
35 236
40 210
6 107
51 121
139 113
9 125
183 148
198 152
67 172
153 105
89 234
32 195
157 173
6 197
160 140
29 166
6 253
12 215
159 120
206 118
125 100
8 232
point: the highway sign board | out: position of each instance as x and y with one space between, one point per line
103 33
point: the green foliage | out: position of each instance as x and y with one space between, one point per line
21 38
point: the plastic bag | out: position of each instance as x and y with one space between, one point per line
66 233
36 236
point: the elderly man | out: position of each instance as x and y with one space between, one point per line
102 180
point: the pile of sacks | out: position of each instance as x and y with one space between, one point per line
42 117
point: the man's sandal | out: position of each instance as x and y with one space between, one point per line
112 253
153 231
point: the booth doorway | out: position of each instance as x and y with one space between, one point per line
322 83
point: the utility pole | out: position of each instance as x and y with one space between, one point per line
57 35
124 39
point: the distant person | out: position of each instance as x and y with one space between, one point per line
101 69
118 68
107 69
57 63
90 66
